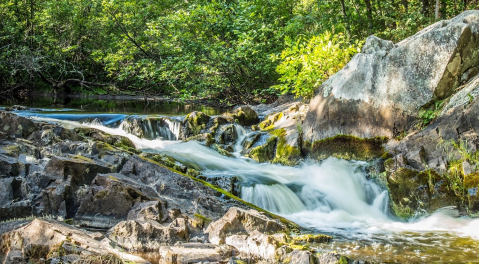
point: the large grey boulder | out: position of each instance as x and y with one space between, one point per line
241 222
42 239
379 92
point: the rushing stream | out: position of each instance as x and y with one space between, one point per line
333 196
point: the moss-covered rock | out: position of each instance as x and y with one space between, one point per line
166 160
194 123
114 140
285 153
264 152
244 116
471 185
346 147
414 192
268 122
206 138
221 150
309 238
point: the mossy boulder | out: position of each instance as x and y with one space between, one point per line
194 123
114 140
346 147
286 154
270 120
414 192
244 116
309 238
16 126
206 138
265 151
471 185
221 150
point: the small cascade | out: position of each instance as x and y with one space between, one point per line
241 134
174 126
152 127
276 198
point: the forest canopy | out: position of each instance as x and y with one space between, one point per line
238 51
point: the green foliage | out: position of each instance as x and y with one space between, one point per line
305 65
220 48
427 116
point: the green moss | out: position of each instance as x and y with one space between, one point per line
196 121
82 159
205 137
389 165
293 227
12 151
270 120
343 260
347 147
471 180
101 194
310 238
386 155
285 154
203 218
221 150
69 221
265 152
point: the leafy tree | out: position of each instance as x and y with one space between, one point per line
306 64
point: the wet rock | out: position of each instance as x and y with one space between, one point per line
9 167
110 199
114 140
82 170
226 135
195 253
39 239
16 126
191 195
221 150
207 138
244 116
241 222
263 150
471 184
194 123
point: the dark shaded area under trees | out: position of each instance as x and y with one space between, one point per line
227 50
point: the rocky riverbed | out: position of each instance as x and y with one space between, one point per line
118 187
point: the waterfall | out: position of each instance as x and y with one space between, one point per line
174 126
152 127
240 137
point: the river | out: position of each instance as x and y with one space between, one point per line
332 196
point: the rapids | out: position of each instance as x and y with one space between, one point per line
333 196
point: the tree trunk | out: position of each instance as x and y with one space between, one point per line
346 20
370 16
465 5
436 14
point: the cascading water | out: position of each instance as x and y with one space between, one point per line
151 127
332 196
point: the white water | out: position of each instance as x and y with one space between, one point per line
331 196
